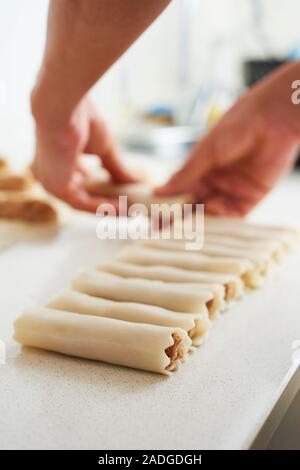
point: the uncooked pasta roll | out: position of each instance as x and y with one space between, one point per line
262 259
3 164
139 345
268 245
195 324
218 221
13 182
15 205
240 228
232 284
193 262
217 304
280 230
136 193
231 237
169 296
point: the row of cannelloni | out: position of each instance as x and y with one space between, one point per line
155 303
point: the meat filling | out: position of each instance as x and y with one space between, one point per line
176 351
230 291
212 306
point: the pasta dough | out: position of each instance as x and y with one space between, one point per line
13 182
269 245
157 293
214 305
193 262
195 324
17 198
261 259
138 345
241 229
154 304
19 206
238 234
232 284
217 304
136 193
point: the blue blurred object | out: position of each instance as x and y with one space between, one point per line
295 52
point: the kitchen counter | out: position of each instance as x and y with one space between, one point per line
241 378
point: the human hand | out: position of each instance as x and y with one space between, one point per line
239 161
60 147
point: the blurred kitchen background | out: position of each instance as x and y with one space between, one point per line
175 82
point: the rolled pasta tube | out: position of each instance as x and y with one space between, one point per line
268 245
287 241
217 304
15 205
13 182
243 268
169 296
280 230
136 193
195 324
262 260
232 284
141 346
3 164
240 228
211 220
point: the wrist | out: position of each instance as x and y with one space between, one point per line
55 126
52 104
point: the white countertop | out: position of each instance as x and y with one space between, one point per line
220 397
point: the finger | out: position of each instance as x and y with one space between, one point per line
237 181
79 198
242 185
81 168
245 183
202 190
197 165
118 171
229 141
276 156
232 194
83 201
101 144
223 205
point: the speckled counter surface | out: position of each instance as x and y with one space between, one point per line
219 398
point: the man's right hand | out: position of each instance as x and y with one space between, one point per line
239 161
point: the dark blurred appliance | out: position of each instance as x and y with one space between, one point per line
256 69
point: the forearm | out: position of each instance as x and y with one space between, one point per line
84 39
277 96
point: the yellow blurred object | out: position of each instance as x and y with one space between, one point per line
214 114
